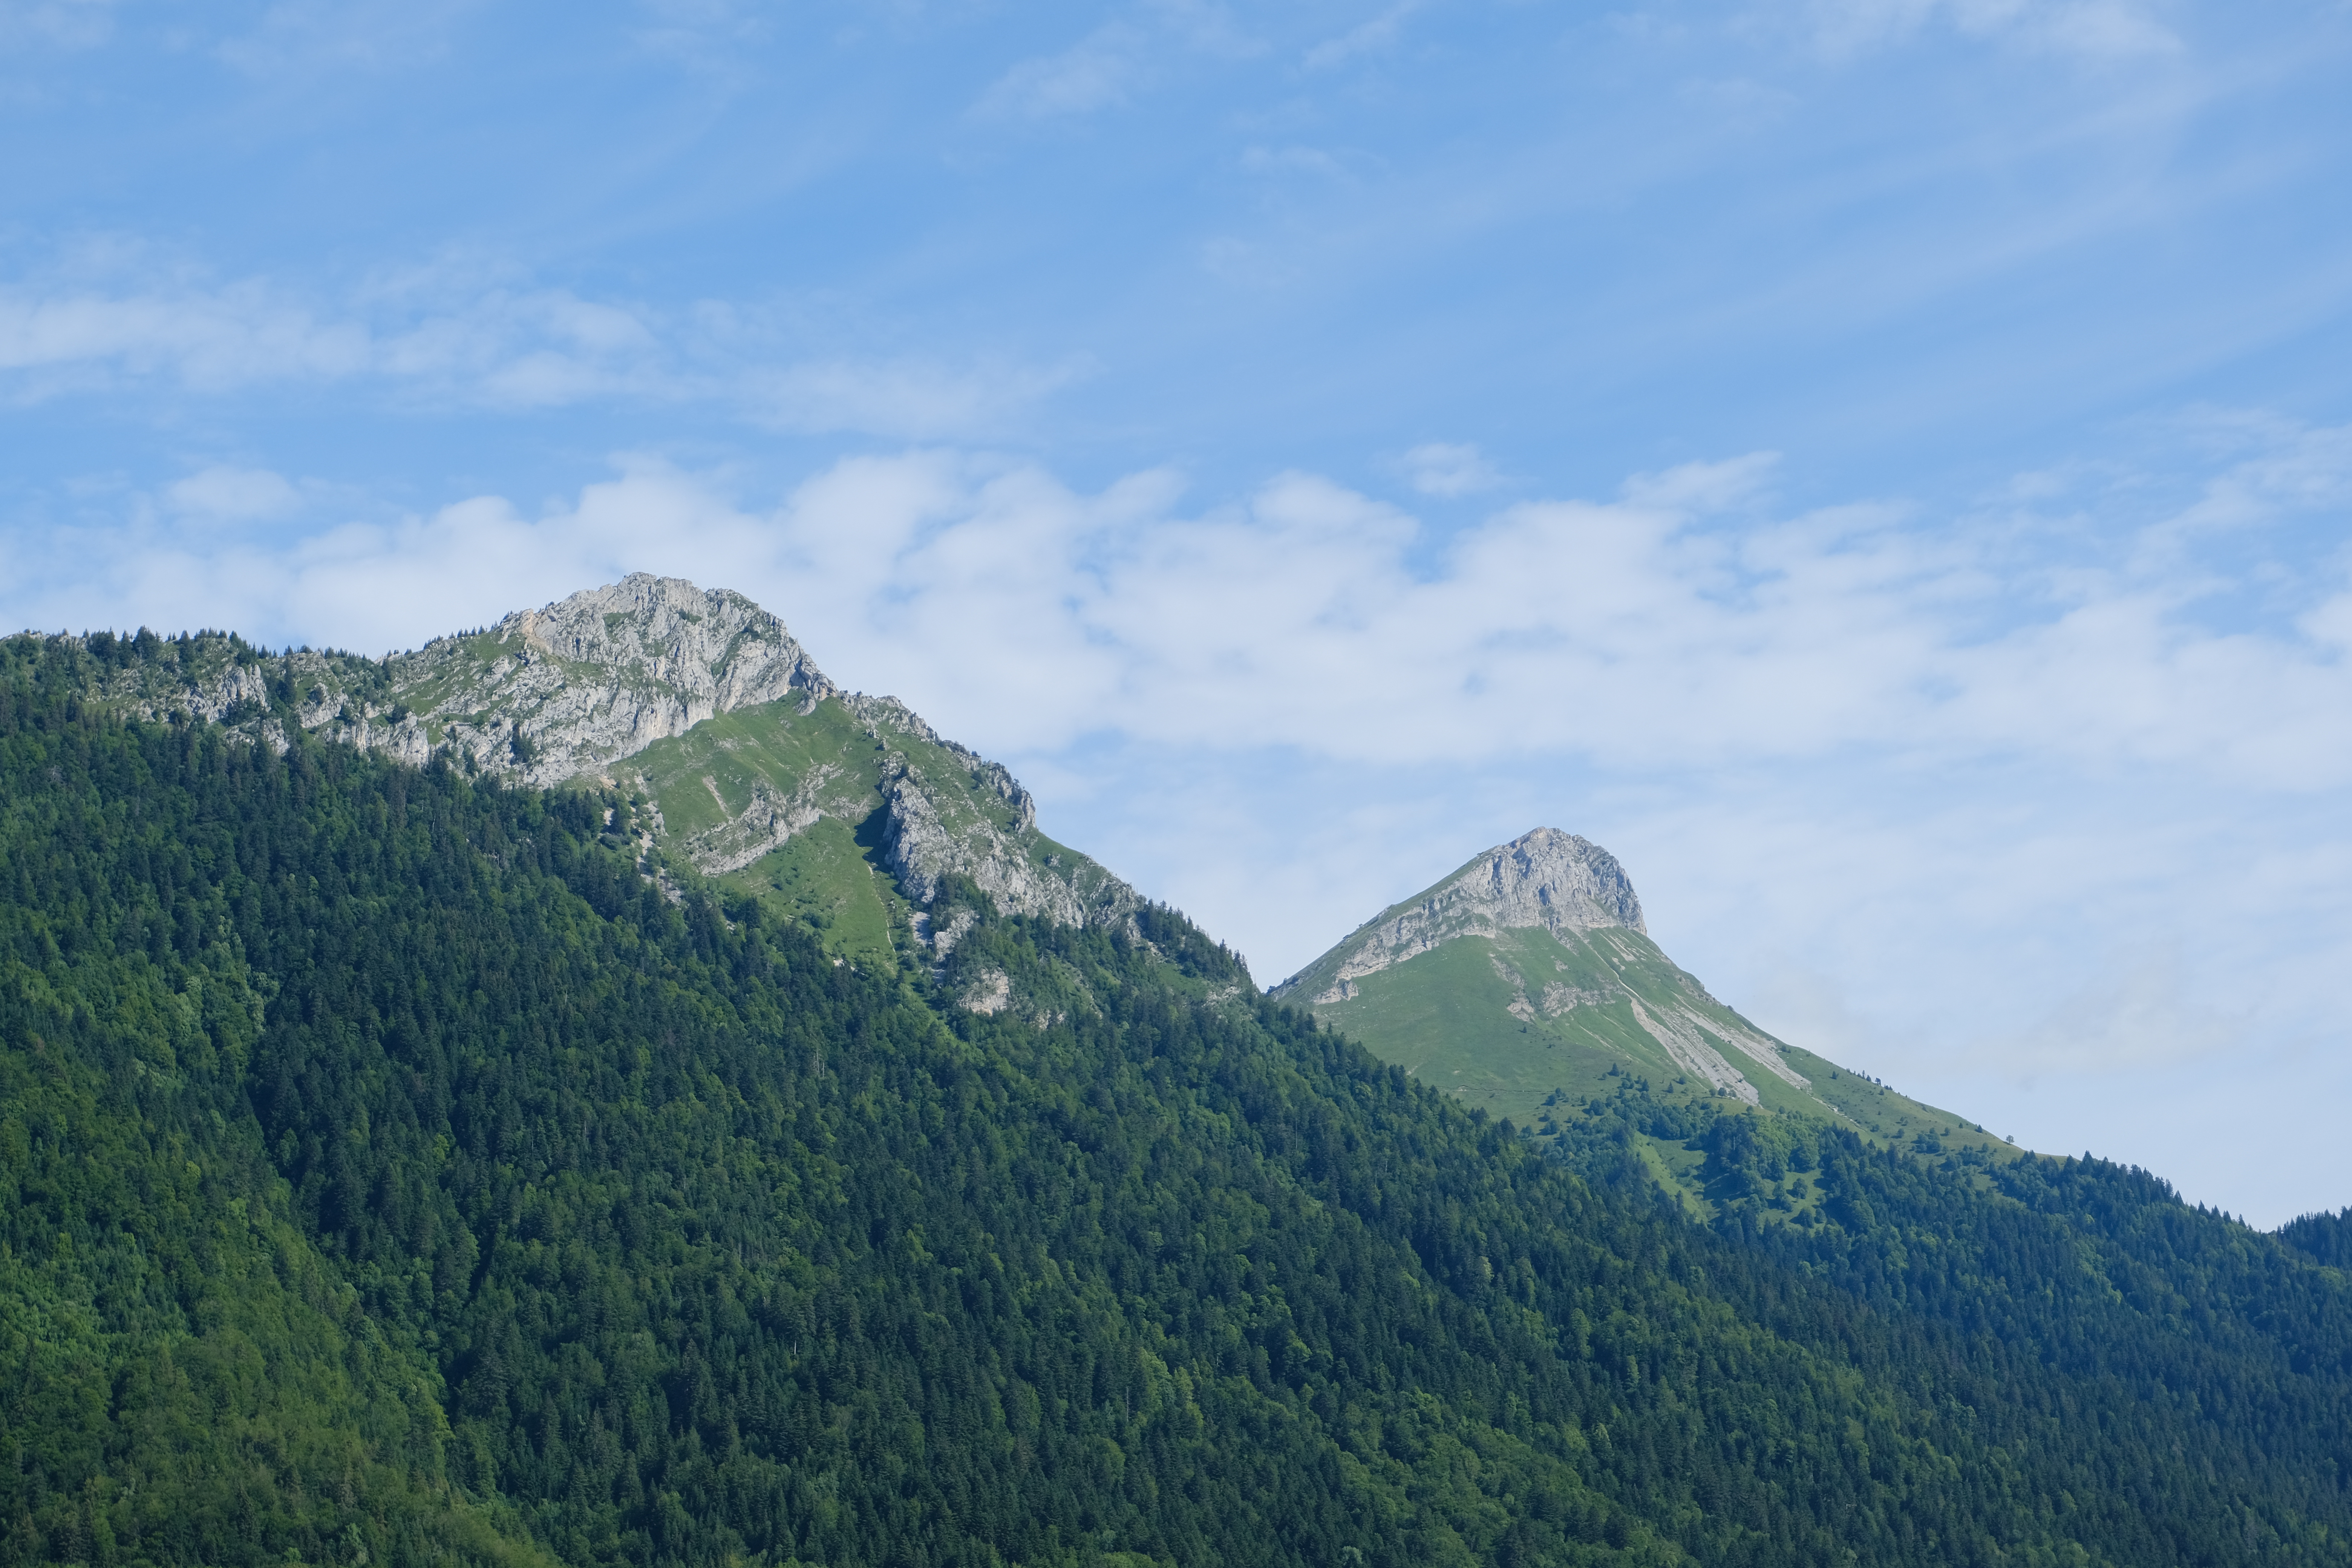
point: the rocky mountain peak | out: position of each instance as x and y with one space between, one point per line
1550 878
594 685
581 685
578 684
1546 879
711 644
1591 981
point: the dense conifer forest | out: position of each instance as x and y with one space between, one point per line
391 1173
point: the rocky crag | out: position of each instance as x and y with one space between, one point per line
544 696
932 830
570 688
607 686
1545 879
1600 960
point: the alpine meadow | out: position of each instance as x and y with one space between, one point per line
594 1091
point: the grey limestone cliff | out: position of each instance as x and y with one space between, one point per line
588 680
930 830
1546 878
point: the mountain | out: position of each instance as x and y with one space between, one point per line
415 1156
1525 984
735 753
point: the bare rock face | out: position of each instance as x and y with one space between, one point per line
771 820
572 688
921 850
215 677
551 693
990 992
1547 878
924 843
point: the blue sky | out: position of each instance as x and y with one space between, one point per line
1883 466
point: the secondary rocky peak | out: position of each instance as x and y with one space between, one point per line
1569 962
1547 879
1544 879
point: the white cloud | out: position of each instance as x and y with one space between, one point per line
1111 66
2140 1013
2105 29
1449 469
1637 632
1643 632
2292 472
376 586
1749 106
537 348
1247 263
1680 625
306 37
1290 160
223 494
462 333
1703 486
503 348
208 339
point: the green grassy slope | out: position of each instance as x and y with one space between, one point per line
823 875
837 761
1447 1016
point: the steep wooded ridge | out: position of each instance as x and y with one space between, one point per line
409 1164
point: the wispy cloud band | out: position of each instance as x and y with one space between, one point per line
421 337
1680 624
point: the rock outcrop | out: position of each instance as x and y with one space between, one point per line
1547 878
767 825
926 838
578 685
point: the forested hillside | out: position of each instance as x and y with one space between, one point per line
2088 1284
392 1174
